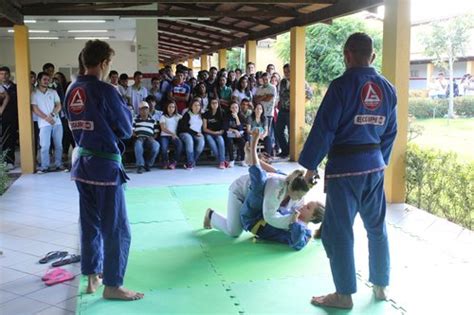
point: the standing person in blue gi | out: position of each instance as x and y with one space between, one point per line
356 126
99 118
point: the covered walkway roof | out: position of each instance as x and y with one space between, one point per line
188 29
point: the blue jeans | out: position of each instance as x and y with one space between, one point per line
142 144
56 131
216 143
251 211
193 146
345 197
283 122
105 232
178 148
268 141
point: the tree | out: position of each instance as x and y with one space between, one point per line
445 41
324 47
235 59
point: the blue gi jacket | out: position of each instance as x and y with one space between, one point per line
358 108
98 118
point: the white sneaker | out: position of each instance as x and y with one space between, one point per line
243 164
231 164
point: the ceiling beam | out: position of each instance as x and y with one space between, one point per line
26 2
193 35
196 29
189 42
10 12
173 48
343 7
223 26
152 13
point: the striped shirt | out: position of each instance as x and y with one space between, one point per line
145 127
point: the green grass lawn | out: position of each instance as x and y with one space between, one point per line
454 135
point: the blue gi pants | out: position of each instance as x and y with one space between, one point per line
345 197
105 233
251 211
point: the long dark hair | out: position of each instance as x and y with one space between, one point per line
253 116
219 112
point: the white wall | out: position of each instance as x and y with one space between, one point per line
419 71
64 53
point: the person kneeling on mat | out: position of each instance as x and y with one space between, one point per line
251 205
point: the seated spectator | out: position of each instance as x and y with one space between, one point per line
154 112
213 129
145 129
223 92
246 110
242 91
258 120
234 126
169 133
192 82
190 132
179 92
200 91
238 74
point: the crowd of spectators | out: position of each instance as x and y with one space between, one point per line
176 115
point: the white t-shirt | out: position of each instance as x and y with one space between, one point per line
195 123
241 95
45 102
2 89
268 106
171 123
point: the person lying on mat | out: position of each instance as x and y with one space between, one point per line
271 211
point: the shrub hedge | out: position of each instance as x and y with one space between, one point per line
438 183
421 107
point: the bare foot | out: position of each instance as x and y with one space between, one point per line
93 282
333 300
121 293
380 293
207 219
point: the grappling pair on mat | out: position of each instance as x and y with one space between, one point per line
268 204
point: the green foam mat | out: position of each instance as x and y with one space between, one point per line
183 269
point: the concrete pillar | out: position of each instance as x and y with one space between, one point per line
147 43
191 63
470 67
396 68
297 91
222 58
22 70
251 52
429 74
204 62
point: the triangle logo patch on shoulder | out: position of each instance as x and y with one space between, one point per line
77 101
371 96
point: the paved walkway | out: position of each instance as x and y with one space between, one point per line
432 259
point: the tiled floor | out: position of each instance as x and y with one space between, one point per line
39 213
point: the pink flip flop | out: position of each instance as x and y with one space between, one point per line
60 277
51 273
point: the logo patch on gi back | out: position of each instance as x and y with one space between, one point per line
77 102
371 96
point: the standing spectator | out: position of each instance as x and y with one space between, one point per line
242 91
154 112
246 108
283 120
266 95
238 74
123 86
213 129
9 117
270 69
211 82
190 132
145 129
234 124
169 133
68 140
136 93
223 93
356 124
99 174
47 105
114 79
155 89
179 92
250 69
231 80
34 117
201 92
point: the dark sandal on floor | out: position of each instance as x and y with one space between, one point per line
70 259
52 256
